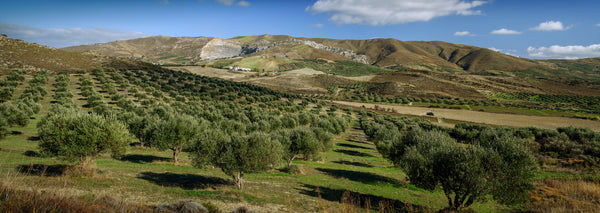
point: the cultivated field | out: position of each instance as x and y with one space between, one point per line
496 119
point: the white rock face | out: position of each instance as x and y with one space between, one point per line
262 45
219 48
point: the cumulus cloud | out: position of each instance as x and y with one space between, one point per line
507 52
551 26
463 33
64 37
505 31
565 52
384 12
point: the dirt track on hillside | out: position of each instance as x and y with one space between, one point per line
499 119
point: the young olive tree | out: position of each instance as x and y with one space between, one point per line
75 135
236 153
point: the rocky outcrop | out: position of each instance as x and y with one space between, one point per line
261 45
219 48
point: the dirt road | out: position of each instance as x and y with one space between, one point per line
499 119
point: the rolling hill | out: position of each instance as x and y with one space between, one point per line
433 56
21 55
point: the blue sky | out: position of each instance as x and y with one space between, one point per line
525 28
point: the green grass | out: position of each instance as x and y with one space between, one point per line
353 167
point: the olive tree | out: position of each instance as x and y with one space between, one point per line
296 142
75 135
175 131
236 153
497 166
6 93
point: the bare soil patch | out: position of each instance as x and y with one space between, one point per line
498 119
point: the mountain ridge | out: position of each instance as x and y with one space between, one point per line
378 52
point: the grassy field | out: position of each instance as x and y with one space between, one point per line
353 172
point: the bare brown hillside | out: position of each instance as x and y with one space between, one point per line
17 54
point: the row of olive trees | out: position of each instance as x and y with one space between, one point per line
191 127
493 163
19 111
76 135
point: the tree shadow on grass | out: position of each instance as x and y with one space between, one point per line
31 153
43 170
357 141
143 158
353 153
33 138
184 181
352 146
360 199
363 177
345 162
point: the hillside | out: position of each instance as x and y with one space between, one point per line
21 55
433 56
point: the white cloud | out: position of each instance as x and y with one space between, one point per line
319 25
505 52
243 3
495 49
463 33
64 37
384 12
551 26
505 31
565 52
598 25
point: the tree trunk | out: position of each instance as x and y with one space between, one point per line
176 155
238 179
469 201
290 161
457 201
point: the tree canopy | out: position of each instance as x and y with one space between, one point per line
75 135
